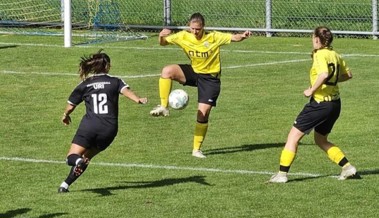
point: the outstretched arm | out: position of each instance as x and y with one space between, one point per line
132 96
241 36
162 36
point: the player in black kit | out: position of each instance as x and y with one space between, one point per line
99 125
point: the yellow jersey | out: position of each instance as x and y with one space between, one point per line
327 60
204 54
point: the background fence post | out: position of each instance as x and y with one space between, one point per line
67 23
375 18
167 12
268 18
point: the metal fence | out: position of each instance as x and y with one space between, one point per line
353 18
349 17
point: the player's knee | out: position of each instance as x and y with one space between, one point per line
171 72
167 72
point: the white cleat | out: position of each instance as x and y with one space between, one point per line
280 177
198 154
160 111
347 172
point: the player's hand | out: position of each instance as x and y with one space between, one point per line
142 100
247 34
308 92
164 32
66 119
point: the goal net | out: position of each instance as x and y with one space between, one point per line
92 21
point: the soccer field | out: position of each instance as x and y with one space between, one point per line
148 171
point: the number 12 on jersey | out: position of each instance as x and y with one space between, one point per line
100 103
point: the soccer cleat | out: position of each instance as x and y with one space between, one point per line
198 153
160 111
280 177
62 190
347 172
82 163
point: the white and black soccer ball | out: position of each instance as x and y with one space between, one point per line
178 99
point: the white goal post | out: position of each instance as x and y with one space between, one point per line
67 23
77 22
115 30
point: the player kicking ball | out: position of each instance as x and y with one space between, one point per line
203 50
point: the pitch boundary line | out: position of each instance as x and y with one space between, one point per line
72 74
168 48
153 75
164 167
266 64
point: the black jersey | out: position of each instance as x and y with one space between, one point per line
100 94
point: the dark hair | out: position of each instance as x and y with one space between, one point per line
197 17
325 36
94 64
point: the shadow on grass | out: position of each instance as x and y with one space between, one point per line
368 172
355 177
242 148
14 213
290 180
21 211
150 184
8 46
248 147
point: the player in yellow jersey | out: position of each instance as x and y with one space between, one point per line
203 50
323 110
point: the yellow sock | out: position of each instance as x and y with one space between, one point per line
335 154
200 132
286 159
164 90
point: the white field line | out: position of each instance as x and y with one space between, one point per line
267 63
160 48
163 167
175 48
156 75
153 75
72 74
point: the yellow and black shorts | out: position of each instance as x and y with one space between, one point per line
208 85
319 116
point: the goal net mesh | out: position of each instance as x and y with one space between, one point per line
92 20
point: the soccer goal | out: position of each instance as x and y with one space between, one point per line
77 21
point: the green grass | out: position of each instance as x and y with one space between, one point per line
148 170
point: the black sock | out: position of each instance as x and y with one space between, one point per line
284 169
72 158
72 176
343 162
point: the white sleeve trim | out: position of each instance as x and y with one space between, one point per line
126 86
69 102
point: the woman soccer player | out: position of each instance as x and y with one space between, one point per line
99 125
324 108
203 50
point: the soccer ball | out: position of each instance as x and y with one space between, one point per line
178 99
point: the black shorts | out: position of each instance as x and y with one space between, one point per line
91 139
318 116
208 85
